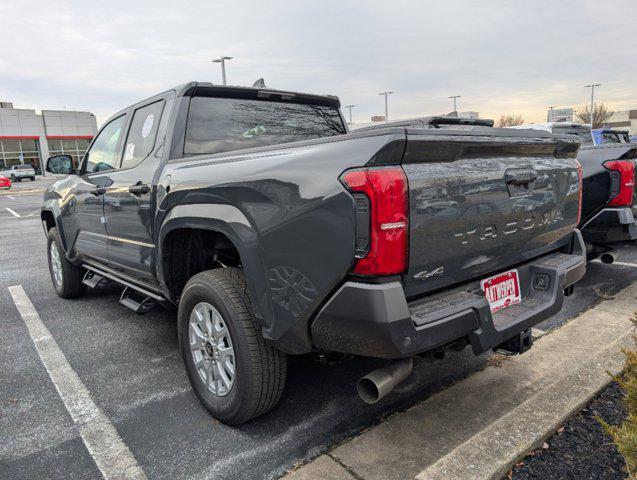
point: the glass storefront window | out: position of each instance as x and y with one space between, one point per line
20 152
11 146
54 145
29 145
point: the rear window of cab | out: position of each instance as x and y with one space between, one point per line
218 125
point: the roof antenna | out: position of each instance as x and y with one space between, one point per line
260 83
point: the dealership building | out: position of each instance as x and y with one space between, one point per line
624 120
30 138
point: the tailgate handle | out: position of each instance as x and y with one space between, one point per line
520 177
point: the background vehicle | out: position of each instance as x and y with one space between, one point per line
5 183
609 201
276 232
605 136
18 172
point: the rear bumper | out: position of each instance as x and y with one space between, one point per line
611 225
375 320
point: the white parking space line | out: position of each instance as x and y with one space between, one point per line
621 264
111 455
33 213
9 196
12 212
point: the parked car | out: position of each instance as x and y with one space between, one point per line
5 183
605 136
609 202
276 232
18 172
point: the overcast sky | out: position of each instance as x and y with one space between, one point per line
501 56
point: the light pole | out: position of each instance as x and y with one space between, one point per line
222 61
548 114
455 99
386 110
350 112
592 87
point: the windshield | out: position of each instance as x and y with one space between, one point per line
225 124
582 132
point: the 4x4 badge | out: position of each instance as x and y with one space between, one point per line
434 273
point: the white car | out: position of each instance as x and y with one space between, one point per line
18 172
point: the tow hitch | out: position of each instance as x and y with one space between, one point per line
519 344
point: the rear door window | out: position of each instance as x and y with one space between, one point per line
225 124
142 134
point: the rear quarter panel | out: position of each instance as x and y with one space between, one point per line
300 216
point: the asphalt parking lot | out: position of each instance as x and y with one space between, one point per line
131 367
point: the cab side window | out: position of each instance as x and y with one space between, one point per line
102 155
142 134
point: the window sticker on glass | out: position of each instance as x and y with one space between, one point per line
130 152
148 125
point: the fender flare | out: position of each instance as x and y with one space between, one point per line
232 223
54 209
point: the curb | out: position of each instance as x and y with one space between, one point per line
491 453
479 427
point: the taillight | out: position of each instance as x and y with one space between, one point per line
622 182
386 189
580 174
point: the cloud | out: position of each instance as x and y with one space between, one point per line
501 56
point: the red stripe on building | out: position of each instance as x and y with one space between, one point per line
20 138
69 137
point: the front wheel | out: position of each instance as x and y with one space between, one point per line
234 372
33 179
66 277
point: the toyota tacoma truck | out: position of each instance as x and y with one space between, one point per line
609 202
276 232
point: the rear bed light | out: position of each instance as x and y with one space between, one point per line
386 190
622 182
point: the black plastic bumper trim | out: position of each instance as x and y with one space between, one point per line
611 225
376 320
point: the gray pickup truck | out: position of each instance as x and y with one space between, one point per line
609 201
276 232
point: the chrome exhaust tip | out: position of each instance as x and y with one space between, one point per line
376 385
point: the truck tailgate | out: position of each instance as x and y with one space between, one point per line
484 201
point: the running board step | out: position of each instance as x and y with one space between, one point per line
93 280
137 298
136 301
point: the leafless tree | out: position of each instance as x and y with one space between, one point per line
601 114
510 120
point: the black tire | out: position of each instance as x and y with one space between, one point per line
33 179
13 178
71 285
260 369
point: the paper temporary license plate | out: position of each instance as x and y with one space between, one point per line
502 290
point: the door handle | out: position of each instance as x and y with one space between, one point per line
98 191
520 177
139 189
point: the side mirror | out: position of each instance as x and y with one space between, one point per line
62 164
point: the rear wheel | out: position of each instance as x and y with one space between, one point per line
234 372
33 179
66 277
